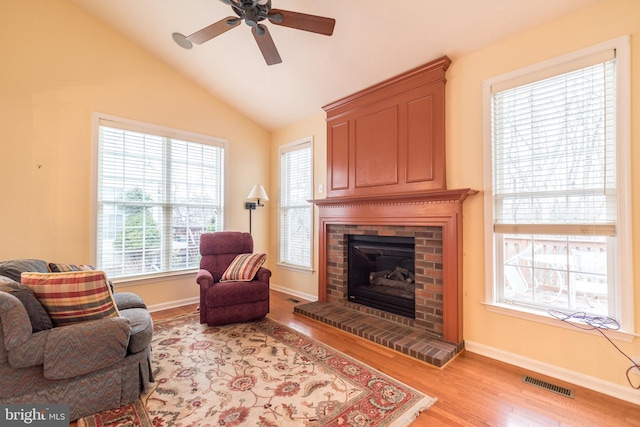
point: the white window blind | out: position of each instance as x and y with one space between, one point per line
157 192
296 213
554 154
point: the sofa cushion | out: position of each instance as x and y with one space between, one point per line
14 268
243 268
72 297
38 316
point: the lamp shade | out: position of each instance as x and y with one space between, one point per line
257 193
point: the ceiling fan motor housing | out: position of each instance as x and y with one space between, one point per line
252 11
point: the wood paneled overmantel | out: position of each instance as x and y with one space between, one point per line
389 138
436 208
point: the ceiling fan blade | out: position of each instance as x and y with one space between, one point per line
302 21
266 44
214 30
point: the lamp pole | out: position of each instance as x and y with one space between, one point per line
256 193
250 206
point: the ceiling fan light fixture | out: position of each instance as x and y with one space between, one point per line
182 41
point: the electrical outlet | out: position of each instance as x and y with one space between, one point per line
636 370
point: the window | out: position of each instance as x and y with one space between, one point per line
296 212
557 151
157 191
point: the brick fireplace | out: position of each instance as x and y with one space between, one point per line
428 271
434 219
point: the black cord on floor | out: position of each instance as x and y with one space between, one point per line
597 323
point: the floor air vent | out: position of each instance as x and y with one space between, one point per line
293 300
567 392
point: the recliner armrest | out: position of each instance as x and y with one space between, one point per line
263 275
204 279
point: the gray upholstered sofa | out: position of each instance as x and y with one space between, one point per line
91 365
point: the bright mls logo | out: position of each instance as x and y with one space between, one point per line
34 415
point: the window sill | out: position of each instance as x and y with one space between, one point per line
296 268
540 316
153 278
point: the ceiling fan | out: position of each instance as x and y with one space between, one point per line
252 12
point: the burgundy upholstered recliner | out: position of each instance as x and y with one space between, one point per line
229 302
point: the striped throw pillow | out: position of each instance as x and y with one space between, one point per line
243 268
72 297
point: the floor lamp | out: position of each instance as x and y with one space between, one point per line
257 193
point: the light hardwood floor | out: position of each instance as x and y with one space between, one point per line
472 390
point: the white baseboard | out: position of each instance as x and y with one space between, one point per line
614 390
294 293
173 304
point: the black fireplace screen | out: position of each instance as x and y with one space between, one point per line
382 273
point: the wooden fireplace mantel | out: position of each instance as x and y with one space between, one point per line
424 197
441 208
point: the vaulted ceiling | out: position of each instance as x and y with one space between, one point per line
373 40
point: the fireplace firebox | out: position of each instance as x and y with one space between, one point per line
381 273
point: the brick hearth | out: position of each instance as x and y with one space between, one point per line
421 337
403 338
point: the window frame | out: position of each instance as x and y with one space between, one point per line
292 146
623 252
99 119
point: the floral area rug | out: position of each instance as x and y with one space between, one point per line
133 415
260 374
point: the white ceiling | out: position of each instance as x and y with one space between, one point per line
373 40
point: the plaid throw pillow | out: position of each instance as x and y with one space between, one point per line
56 267
72 297
243 268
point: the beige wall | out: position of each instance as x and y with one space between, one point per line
58 66
303 284
587 359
